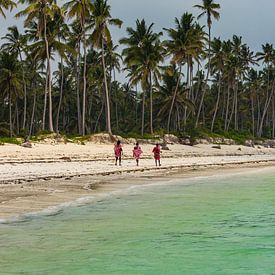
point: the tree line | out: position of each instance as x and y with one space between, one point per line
187 82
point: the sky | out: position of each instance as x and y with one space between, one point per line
254 20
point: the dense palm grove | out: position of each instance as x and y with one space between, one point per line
186 83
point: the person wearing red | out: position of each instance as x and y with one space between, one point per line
137 153
157 152
118 152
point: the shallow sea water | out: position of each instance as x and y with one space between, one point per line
207 225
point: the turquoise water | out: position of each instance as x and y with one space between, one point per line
214 225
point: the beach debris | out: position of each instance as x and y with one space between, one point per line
66 159
249 143
218 146
26 144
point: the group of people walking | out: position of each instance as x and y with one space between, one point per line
137 152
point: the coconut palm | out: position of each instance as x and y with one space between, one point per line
101 39
185 43
142 57
166 96
210 9
81 10
10 81
16 43
42 11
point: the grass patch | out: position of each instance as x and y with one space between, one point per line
10 140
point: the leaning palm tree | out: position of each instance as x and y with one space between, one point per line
210 9
5 5
81 9
101 38
16 43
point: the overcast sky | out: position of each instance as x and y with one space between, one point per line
254 20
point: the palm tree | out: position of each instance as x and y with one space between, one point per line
10 81
142 57
16 43
101 38
6 4
217 66
166 96
210 9
74 41
81 9
42 11
185 43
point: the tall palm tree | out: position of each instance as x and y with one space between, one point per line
16 43
81 9
101 38
42 11
74 41
210 9
142 57
217 66
185 43
5 5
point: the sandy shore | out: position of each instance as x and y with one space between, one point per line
49 175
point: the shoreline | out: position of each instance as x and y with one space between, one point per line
31 198
32 180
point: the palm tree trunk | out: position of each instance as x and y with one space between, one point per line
45 100
108 113
32 118
227 107
217 104
49 76
252 115
78 89
60 96
173 101
84 83
17 118
10 113
142 114
267 104
236 105
207 76
151 103
25 92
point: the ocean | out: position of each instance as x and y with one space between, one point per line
223 224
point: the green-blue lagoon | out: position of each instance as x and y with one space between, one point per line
223 224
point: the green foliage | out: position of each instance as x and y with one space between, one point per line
10 140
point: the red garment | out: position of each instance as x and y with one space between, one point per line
156 152
137 152
118 150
